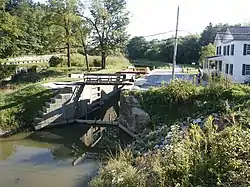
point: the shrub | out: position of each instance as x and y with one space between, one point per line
6 71
119 172
166 100
202 157
77 60
55 61
182 99
96 62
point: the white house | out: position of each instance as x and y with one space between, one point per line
232 54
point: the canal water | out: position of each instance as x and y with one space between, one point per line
44 158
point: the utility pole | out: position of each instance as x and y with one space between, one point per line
175 46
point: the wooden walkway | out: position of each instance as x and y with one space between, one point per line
102 79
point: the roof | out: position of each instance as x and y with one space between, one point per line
240 33
221 35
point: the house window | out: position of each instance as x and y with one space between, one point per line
224 50
246 49
231 69
216 65
232 49
218 50
220 65
245 69
227 68
228 50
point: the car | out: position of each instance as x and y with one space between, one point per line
158 79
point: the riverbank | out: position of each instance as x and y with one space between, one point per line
191 140
19 107
22 97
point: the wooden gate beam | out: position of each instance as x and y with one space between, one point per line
97 123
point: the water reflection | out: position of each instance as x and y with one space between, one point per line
62 142
44 158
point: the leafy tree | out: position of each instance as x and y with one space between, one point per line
31 15
63 20
9 31
188 50
137 47
208 35
153 50
207 51
108 20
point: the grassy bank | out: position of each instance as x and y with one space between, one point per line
151 64
22 97
20 106
198 137
61 73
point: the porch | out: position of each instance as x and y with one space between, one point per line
215 65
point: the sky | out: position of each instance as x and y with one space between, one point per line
148 17
157 16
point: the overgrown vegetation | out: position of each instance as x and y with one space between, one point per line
199 137
182 99
6 71
55 61
19 108
201 157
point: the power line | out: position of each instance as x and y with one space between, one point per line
162 33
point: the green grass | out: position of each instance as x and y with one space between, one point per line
20 107
41 64
151 64
24 96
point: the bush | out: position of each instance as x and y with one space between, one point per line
202 157
55 61
182 99
77 60
119 172
165 102
6 71
214 153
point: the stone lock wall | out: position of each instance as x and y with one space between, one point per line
132 116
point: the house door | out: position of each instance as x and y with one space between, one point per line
220 65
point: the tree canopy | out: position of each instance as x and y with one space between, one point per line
95 27
108 20
191 48
27 27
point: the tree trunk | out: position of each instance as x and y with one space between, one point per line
103 64
86 55
68 54
85 50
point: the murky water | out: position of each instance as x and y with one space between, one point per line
44 158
